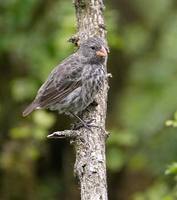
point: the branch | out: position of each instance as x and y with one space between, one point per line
90 164
71 134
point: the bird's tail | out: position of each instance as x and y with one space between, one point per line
29 109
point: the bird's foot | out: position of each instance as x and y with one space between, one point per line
78 125
86 124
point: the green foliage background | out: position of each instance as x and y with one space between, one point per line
142 147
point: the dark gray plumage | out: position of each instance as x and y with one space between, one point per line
73 84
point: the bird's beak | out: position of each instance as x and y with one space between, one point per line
102 52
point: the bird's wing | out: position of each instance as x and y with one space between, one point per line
61 82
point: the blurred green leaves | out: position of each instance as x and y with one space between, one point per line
23 89
147 97
158 9
173 122
155 192
135 45
142 36
116 151
172 169
20 132
43 119
115 40
122 138
115 159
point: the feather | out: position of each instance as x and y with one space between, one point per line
33 106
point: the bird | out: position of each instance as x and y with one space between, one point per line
72 85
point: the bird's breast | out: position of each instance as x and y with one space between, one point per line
93 79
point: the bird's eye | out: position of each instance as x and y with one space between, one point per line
92 47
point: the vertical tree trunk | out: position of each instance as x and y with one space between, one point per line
90 165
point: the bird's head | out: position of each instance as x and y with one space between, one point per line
94 50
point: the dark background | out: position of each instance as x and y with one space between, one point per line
142 148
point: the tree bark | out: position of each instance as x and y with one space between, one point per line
90 164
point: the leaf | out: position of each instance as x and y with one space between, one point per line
172 169
43 119
115 159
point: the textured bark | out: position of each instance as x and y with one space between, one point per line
90 165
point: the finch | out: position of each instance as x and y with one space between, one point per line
72 86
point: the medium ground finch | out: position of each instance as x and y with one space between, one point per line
72 85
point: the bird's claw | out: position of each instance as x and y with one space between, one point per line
87 124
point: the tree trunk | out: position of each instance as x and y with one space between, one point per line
90 164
